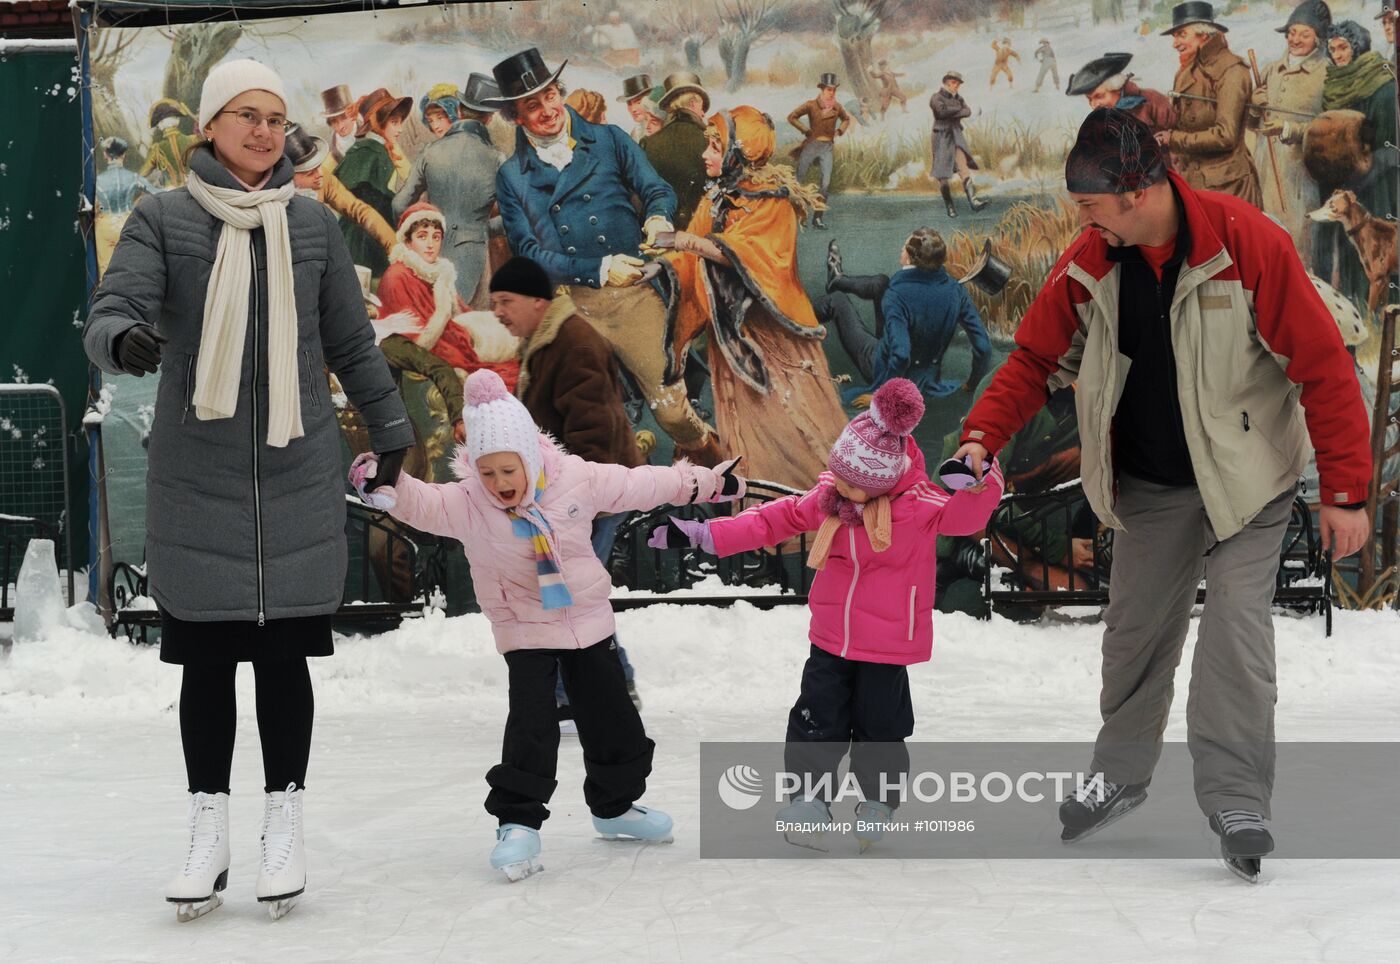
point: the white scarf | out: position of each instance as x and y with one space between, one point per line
554 151
442 276
219 368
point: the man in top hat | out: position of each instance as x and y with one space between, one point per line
675 150
1189 327
118 190
1387 18
457 174
566 201
1288 95
918 311
889 87
634 92
1004 53
951 154
1045 55
166 159
1105 82
308 155
826 121
1212 90
338 110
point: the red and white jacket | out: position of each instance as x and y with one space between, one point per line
1261 369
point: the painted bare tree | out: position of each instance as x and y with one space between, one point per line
745 23
694 26
110 50
857 22
194 50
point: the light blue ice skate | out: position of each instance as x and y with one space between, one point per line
802 821
517 851
872 817
638 823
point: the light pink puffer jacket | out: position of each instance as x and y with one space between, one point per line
503 563
875 607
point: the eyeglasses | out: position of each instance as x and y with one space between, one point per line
276 123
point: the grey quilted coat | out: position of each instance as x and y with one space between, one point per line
235 529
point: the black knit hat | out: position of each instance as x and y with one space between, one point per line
521 276
1115 153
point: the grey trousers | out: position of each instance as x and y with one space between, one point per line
1158 560
820 152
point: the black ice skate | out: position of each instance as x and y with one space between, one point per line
1244 840
1097 804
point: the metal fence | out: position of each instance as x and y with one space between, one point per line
34 481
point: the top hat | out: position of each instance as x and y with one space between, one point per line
680 83
381 106
1086 79
953 75
336 101
828 80
638 85
305 151
988 272
167 107
522 75
1311 13
1193 11
1387 9
479 90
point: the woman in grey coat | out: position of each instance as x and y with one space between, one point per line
239 292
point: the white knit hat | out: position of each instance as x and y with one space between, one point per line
231 78
497 421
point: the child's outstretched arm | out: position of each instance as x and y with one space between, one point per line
966 511
620 489
440 509
767 524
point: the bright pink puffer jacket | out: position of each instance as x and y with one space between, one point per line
503 566
876 607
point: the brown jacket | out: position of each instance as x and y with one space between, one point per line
1208 143
570 385
821 121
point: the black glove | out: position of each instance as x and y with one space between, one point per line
390 464
732 485
138 350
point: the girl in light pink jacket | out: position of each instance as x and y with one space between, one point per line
877 518
523 511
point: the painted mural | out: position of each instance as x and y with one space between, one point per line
900 133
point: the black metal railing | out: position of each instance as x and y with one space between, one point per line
1030 556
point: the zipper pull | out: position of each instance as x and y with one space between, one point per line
261 620
1244 417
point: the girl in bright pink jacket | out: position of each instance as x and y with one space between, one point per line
523 511
877 518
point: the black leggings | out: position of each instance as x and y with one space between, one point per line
209 712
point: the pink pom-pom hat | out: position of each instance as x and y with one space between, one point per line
869 453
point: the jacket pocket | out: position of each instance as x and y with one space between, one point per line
189 389
913 593
309 372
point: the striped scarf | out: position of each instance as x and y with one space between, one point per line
554 594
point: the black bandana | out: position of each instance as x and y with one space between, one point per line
1115 153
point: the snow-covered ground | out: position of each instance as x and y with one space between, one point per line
92 805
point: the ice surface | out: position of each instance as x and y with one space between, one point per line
92 805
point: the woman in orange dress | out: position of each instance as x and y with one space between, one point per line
735 272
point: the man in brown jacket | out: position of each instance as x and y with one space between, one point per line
826 121
569 383
1212 91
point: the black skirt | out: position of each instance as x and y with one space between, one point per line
242 641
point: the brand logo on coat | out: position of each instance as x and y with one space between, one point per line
573 511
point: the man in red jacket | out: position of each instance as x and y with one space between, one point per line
1205 362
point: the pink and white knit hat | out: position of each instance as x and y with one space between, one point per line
869 453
